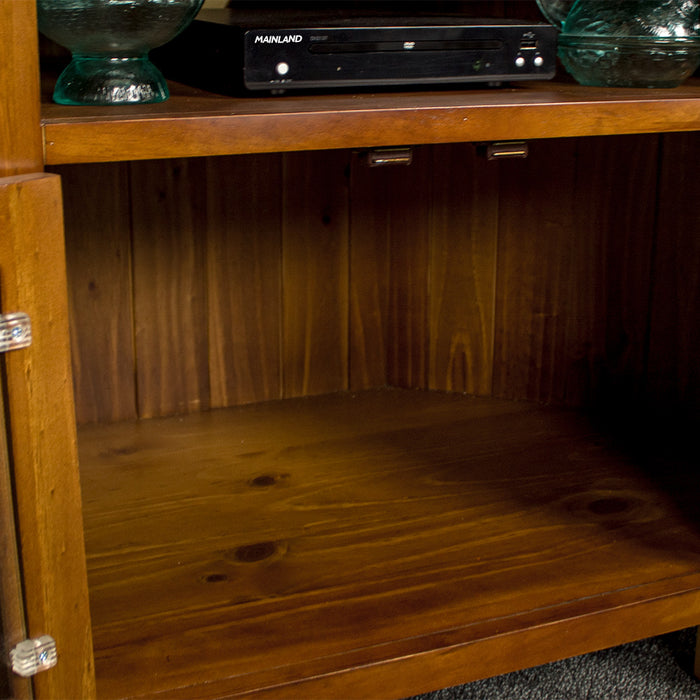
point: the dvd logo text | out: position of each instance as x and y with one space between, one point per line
278 39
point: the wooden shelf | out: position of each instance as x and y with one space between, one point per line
195 123
277 548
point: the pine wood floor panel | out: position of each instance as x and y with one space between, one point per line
278 542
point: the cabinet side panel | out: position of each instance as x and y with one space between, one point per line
674 371
464 231
168 211
21 149
42 428
315 273
244 278
98 251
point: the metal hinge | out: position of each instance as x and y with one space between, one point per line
390 156
34 655
15 331
501 150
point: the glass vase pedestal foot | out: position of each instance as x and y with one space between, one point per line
109 80
109 41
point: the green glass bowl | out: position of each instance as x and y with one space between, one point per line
631 43
109 41
629 62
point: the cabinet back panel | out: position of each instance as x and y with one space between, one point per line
463 243
390 211
222 281
576 235
99 258
315 273
168 219
244 278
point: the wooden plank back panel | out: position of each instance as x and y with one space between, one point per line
170 301
98 251
615 211
370 264
533 273
464 235
244 257
674 371
42 430
287 282
409 247
315 273
390 214
576 235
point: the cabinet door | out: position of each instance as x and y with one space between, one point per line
12 626
41 435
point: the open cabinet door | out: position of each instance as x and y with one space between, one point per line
12 627
42 449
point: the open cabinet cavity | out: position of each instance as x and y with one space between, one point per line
314 523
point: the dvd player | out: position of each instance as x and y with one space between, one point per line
222 52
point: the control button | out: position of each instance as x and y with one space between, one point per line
282 68
539 61
520 62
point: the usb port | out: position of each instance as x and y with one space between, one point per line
528 44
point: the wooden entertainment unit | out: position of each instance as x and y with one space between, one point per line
292 426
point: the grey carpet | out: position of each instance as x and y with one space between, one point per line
659 668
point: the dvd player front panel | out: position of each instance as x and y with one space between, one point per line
401 55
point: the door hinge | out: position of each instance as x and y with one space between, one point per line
15 331
389 156
501 150
34 655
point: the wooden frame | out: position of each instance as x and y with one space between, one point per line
42 452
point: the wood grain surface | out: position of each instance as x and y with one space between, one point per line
315 273
99 259
192 123
170 300
12 619
267 276
673 374
574 270
463 255
42 432
272 544
390 262
21 149
244 278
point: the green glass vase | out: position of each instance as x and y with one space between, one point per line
109 41
627 43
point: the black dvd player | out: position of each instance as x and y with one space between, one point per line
221 52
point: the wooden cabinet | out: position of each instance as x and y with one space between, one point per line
291 425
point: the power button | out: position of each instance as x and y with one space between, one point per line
282 68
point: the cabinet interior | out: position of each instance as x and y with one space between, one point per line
566 278
399 482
